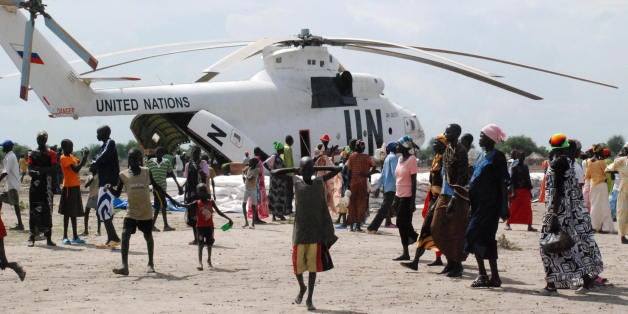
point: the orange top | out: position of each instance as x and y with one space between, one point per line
70 178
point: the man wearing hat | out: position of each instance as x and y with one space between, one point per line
11 171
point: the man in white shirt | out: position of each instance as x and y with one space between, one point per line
11 171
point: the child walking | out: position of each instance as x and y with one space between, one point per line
71 204
204 208
139 213
313 232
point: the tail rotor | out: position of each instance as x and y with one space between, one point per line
35 8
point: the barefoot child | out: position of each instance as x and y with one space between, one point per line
250 175
92 200
204 208
3 258
313 232
139 213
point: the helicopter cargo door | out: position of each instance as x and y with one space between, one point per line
220 135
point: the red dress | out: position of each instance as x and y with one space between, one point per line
359 165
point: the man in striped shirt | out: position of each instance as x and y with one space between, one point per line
161 168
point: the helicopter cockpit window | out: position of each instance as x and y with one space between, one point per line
330 92
322 63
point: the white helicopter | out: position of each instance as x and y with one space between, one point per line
303 91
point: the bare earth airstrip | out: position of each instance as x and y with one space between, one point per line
253 273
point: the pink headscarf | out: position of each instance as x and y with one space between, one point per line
494 132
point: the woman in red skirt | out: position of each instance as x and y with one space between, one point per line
521 197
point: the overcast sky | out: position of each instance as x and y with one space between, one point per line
583 38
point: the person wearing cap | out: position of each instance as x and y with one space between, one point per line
277 194
387 183
583 260
11 172
405 194
42 167
451 210
359 168
620 167
425 240
601 218
487 195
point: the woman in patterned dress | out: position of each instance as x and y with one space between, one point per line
583 260
277 194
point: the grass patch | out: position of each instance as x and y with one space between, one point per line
504 243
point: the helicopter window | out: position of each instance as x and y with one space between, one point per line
330 59
278 60
390 131
322 63
326 93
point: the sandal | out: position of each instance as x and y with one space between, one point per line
495 283
20 272
599 281
481 281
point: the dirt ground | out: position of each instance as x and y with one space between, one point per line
253 273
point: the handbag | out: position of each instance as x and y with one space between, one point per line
557 240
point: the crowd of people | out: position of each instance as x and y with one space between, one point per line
462 209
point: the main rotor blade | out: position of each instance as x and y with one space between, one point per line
11 3
237 57
514 64
444 66
26 58
377 43
163 54
71 42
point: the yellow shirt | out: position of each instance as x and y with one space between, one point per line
595 172
138 193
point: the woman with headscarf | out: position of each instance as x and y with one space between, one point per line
620 166
425 240
359 168
565 204
487 195
601 218
406 171
277 194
